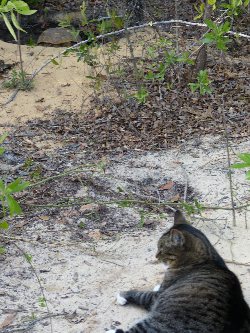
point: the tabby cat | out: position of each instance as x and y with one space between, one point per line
199 294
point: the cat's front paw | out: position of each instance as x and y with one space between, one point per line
111 331
157 287
121 300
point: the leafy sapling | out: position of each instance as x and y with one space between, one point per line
203 83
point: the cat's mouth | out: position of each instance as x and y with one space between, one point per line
166 259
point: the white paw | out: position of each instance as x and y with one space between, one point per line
111 331
120 300
157 287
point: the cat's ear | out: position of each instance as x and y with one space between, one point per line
177 237
179 218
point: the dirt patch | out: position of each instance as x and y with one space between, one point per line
82 262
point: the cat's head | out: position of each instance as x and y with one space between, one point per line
184 245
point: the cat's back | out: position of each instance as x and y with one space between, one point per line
203 298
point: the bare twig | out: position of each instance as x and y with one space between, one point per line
229 163
237 263
40 285
28 326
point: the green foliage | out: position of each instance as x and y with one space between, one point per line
245 158
65 22
83 9
8 10
2 250
235 7
168 58
195 208
42 302
28 257
200 10
125 203
115 22
31 42
217 35
83 53
141 95
19 80
4 225
203 83
9 204
81 225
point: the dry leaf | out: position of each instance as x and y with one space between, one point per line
167 186
175 198
44 217
8 320
88 208
95 234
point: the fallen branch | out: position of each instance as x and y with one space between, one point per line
28 326
115 33
131 202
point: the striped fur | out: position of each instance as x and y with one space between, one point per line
199 294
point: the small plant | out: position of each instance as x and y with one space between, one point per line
19 80
245 158
9 206
217 35
203 83
234 7
10 11
141 95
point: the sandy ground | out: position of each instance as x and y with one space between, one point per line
80 280
56 86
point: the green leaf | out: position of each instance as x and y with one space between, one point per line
4 225
42 302
15 22
13 205
54 62
248 175
245 157
239 165
28 257
9 26
2 186
124 203
225 27
2 150
2 250
17 185
211 24
23 8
